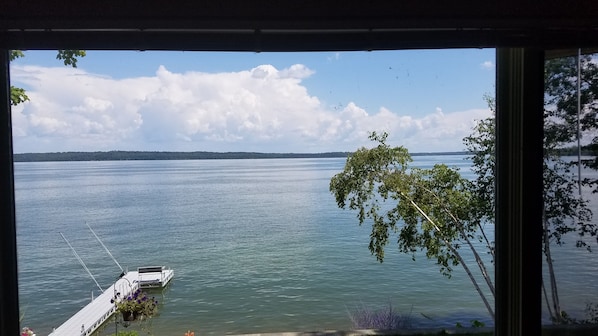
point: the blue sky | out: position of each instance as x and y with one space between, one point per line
427 100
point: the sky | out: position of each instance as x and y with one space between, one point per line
426 100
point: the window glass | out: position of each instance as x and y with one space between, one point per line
570 204
219 166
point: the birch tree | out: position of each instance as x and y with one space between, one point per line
565 210
433 210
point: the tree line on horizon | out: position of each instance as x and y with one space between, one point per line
199 155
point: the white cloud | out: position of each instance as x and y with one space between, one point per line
487 65
298 71
261 109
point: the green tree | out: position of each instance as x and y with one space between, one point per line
561 96
433 210
68 57
565 210
374 176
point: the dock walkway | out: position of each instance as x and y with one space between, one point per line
92 316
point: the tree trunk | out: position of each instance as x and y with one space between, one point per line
556 314
477 257
458 255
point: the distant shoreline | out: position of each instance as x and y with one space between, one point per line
154 155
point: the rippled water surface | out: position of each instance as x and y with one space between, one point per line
256 246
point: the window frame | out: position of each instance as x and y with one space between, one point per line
521 32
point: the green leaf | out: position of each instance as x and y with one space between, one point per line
69 57
17 96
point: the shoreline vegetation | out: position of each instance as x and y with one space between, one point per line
118 155
199 155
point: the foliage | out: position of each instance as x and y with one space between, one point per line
561 125
14 54
561 82
386 318
68 57
591 312
481 144
433 210
441 211
137 302
477 324
565 211
17 95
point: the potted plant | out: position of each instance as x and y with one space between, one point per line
27 332
135 304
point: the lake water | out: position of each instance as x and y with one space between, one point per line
256 246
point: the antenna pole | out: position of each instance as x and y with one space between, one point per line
105 248
81 262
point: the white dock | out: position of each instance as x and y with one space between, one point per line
154 276
92 316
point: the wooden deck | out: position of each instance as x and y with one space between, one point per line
92 316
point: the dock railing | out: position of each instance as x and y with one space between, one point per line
147 278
